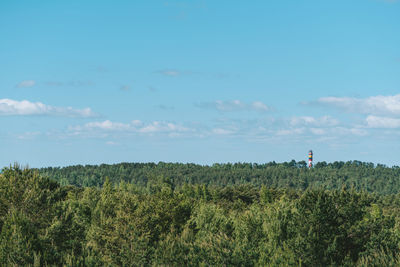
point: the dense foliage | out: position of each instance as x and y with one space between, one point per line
170 222
359 175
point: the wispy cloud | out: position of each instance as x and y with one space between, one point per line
382 122
221 131
164 107
259 106
281 130
26 108
235 105
28 135
377 105
112 143
103 125
316 133
26 84
69 83
312 121
169 72
290 131
135 126
293 130
156 127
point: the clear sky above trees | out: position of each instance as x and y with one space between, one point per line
199 81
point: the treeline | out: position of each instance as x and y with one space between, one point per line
43 223
361 176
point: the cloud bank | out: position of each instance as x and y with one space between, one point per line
135 126
376 105
235 105
9 107
382 122
312 121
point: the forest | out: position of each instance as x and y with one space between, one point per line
363 176
172 214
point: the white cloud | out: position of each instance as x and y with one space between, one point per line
157 126
311 121
26 83
135 126
334 133
382 122
25 107
28 135
345 131
229 105
221 131
378 105
257 105
234 105
318 131
295 131
111 143
283 130
303 127
107 125
306 127
136 122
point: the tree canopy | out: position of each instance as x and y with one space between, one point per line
361 176
171 221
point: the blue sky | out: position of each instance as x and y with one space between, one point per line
89 82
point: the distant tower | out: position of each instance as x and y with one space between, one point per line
310 155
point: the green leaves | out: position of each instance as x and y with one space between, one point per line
19 241
160 224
